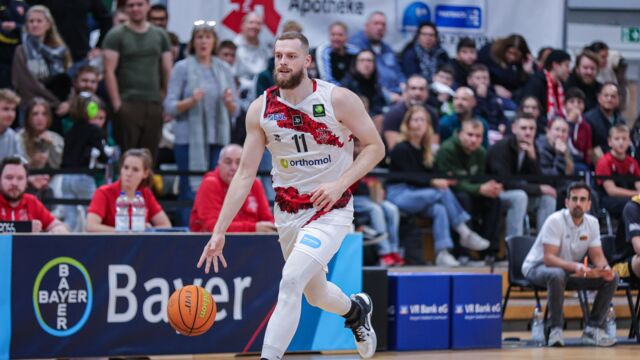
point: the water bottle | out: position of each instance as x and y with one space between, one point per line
610 322
537 327
138 213
122 213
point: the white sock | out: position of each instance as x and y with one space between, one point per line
463 230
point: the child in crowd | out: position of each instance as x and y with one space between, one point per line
579 131
616 193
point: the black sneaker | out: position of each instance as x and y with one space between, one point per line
365 336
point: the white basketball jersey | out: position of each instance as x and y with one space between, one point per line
308 147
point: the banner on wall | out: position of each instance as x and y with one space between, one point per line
541 22
87 296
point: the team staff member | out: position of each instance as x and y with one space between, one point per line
254 216
15 205
135 175
555 262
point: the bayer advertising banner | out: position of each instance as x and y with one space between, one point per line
85 296
482 20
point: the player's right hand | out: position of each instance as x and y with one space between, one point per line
212 251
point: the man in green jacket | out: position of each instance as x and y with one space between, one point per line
462 154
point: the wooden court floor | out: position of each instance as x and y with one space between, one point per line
515 350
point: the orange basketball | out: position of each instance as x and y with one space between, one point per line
191 310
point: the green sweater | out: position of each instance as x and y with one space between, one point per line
451 159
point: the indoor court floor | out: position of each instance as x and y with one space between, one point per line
625 350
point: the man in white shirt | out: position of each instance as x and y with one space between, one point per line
555 262
251 54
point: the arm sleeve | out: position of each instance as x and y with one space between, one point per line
98 204
175 91
42 214
209 201
602 170
25 84
153 207
551 232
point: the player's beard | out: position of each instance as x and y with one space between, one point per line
292 82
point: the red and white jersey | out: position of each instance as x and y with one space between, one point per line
308 146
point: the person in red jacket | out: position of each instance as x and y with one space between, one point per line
15 205
254 216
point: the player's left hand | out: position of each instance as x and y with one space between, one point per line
326 195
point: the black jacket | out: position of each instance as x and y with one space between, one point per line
590 91
79 141
502 160
512 77
600 126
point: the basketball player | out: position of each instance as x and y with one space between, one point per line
308 126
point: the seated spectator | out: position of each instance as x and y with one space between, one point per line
543 53
424 194
42 147
510 64
227 52
334 58
41 62
555 157
120 16
74 27
384 216
86 79
488 104
516 155
555 263
16 205
553 149
606 71
531 105
615 193
135 175
466 57
441 91
12 19
626 260
584 76
362 79
423 55
579 131
463 155
603 117
546 86
390 75
8 139
464 102
415 93
254 215
85 144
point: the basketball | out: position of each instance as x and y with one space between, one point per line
191 310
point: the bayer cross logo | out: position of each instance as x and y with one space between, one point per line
62 296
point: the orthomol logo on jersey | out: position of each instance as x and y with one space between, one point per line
62 296
304 162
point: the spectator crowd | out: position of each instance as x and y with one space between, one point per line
477 141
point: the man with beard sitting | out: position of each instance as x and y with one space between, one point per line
15 205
